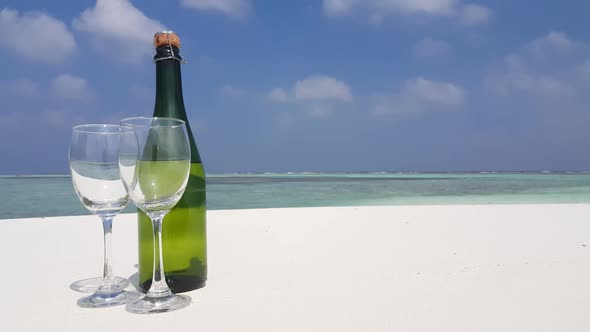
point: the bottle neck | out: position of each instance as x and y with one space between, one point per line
169 99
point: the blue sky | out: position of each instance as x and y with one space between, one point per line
310 85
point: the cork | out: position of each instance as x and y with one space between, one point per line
165 38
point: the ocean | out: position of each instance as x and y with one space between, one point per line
45 196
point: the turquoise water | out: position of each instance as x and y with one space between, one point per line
44 196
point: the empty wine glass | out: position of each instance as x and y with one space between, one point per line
154 161
93 158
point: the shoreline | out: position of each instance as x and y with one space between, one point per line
342 173
417 205
23 197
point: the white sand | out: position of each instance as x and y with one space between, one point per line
418 268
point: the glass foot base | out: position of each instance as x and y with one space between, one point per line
149 305
98 300
91 285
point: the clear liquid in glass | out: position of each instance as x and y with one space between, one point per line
99 187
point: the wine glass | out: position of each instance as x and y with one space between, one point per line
154 161
95 175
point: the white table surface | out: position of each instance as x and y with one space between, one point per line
455 268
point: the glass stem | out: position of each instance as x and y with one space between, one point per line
159 288
108 283
107 226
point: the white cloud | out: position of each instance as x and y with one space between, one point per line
429 47
316 95
377 10
231 8
313 88
543 83
338 7
544 51
557 39
36 36
517 81
71 87
441 93
472 14
388 7
421 95
553 42
118 25
278 95
321 87
544 69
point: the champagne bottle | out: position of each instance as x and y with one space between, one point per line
184 239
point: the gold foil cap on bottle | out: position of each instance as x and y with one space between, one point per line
167 46
166 38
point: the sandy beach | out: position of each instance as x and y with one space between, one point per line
402 268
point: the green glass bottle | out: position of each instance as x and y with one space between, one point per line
184 238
